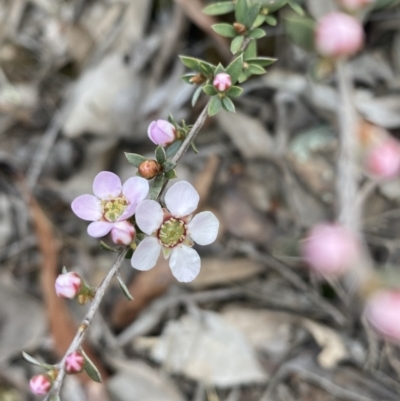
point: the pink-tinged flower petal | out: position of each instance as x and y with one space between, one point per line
146 255
128 212
87 207
107 185
383 160
149 216
135 189
181 199
161 132
222 81
203 228
99 229
383 312
74 363
123 233
68 285
40 384
185 263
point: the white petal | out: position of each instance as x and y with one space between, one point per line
185 263
99 229
146 254
181 199
149 216
203 228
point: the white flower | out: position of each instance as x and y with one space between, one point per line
173 231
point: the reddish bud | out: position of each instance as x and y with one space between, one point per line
40 384
74 363
68 285
383 160
239 28
123 232
222 81
197 79
330 249
161 132
339 34
383 313
149 169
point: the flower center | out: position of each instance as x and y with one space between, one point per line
172 232
113 209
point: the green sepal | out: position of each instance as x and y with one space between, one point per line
135 159
255 69
34 361
197 64
171 174
196 95
226 30
124 288
168 166
161 155
301 31
271 20
236 44
64 270
261 61
228 105
106 247
210 90
157 186
256 33
234 91
235 68
173 148
215 106
90 368
219 8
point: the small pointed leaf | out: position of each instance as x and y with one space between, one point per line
106 247
210 90
168 166
235 68
173 148
135 159
251 50
258 21
215 106
161 155
234 91
296 7
91 369
228 105
261 61
226 30
255 69
256 33
64 270
124 288
271 20
251 15
196 95
171 174
219 8
236 44
31 359
241 10
157 186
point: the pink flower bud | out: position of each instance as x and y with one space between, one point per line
123 233
339 34
68 285
383 313
74 363
40 384
330 249
161 132
354 5
383 160
222 81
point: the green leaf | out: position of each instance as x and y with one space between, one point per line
251 50
187 78
241 9
234 91
235 68
256 33
129 254
135 159
196 64
236 44
215 106
228 105
168 166
258 21
173 148
244 76
271 20
156 186
171 120
301 31
272 5
262 61
171 175
34 361
210 90
251 15
226 30
196 95
124 288
255 69
106 247
91 369
219 8
296 7
219 69
161 155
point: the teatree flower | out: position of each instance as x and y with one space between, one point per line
173 231
40 384
110 206
74 363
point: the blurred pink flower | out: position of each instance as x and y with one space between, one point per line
222 81
40 384
161 132
74 362
111 204
383 313
383 160
68 285
339 34
330 249
174 231
354 5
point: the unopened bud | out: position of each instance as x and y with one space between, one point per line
123 232
330 249
338 34
74 363
354 5
149 169
239 28
222 81
197 79
68 285
161 132
40 384
383 161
